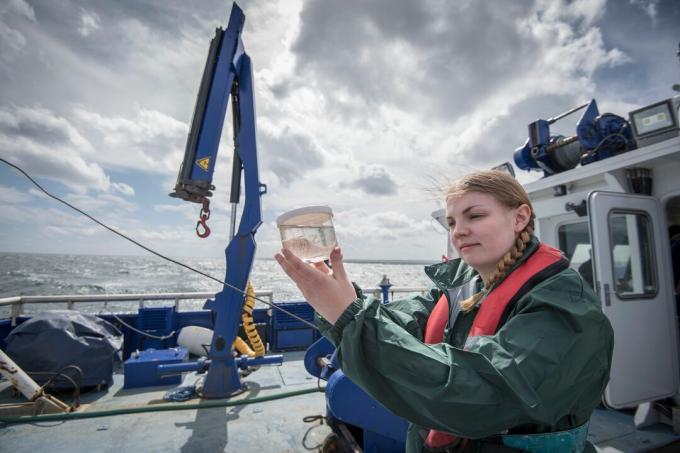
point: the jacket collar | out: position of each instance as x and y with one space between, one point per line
456 272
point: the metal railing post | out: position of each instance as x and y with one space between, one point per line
17 309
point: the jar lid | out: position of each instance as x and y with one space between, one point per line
310 215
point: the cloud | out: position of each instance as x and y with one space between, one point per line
290 154
77 234
36 216
122 188
185 211
150 141
59 231
100 202
89 22
42 126
383 225
19 8
149 52
373 180
38 193
171 207
650 7
447 68
12 40
48 145
10 195
582 13
373 96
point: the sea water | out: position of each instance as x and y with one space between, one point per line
47 274
310 243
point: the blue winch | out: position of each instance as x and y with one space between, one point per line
349 407
597 137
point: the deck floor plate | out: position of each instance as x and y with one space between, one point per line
271 426
613 431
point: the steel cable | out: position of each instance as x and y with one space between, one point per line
138 244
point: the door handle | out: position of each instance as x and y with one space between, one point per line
607 297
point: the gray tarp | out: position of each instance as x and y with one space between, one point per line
54 339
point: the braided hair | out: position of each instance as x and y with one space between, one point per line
504 188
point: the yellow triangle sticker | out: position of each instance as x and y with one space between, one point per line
204 163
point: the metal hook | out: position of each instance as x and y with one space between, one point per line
206 229
204 216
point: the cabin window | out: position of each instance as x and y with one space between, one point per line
633 268
574 241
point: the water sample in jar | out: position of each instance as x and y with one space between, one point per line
308 232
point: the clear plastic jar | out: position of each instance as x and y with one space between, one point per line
308 232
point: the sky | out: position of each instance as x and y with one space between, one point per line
363 106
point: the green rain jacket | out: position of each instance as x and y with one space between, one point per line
544 370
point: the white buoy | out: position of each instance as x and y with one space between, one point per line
194 338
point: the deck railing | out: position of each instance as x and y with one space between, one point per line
17 303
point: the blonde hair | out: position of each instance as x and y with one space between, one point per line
504 188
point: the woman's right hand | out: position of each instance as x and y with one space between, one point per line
330 292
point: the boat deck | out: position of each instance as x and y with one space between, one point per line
613 431
270 426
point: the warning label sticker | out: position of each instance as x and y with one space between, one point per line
204 163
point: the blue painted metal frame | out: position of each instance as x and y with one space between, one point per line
287 333
220 90
156 321
233 75
383 431
222 378
321 348
141 370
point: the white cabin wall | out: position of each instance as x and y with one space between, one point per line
666 179
547 231
551 211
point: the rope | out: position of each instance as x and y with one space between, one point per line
141 332
155 408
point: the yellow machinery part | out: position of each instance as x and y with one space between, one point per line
249 323
249 327
243 348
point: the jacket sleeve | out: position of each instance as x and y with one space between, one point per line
411 313
549 360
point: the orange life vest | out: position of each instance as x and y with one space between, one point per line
544 262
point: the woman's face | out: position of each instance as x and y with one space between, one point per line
483 230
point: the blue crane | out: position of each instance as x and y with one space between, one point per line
228 74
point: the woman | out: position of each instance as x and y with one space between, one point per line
509 341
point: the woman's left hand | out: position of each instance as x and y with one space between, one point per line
330 292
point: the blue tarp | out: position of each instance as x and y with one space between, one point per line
52 340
